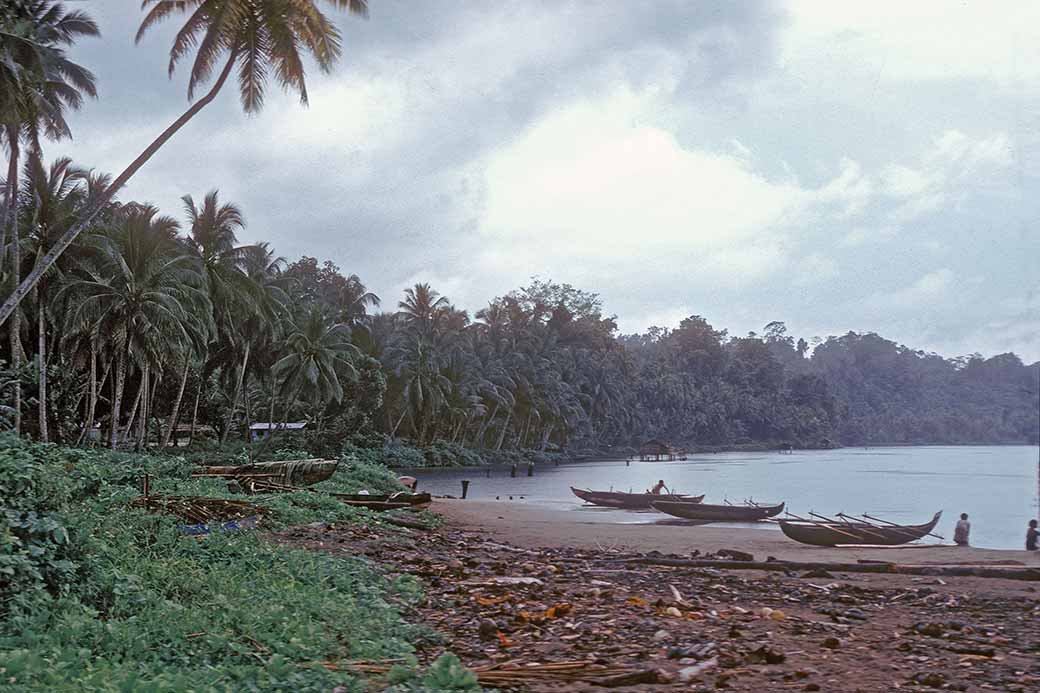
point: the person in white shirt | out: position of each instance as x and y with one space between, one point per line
961 531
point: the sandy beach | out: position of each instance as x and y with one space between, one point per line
532 525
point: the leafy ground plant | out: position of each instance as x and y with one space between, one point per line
95 596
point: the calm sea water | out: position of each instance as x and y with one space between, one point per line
995 485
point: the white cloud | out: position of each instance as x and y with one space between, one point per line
919 297
924 40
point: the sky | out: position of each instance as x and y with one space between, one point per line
837 166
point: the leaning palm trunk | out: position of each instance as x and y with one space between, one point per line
484 425
133 411
238 393
505 427
10 194
176 404
41 323
94 388
142 397
195 413
117 397
8 307
11 219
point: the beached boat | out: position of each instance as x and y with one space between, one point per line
717 513
289 472
844 533
629 501
394 501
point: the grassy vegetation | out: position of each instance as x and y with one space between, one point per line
95 596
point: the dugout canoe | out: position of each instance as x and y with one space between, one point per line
855 533
717 513
394 501
629 501
289 472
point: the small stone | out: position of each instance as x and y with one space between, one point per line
662 635
672 611
831 643
687 674
488 628
811 687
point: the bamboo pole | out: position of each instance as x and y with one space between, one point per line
893 524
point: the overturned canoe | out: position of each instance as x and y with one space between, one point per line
717 513
394 501
290 472
629 501
855 533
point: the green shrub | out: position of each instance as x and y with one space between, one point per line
96 596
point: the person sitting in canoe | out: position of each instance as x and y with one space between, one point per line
658 487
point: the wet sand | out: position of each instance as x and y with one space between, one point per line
532 525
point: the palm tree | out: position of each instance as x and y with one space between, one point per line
420 309
40 84
260 37
318 351
354 299
142 290
52 198
37 82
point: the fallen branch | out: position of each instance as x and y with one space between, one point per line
1029 574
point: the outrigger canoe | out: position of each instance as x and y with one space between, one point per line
717 513
394 501
855 533
288 472
629 501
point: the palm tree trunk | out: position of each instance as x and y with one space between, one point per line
41 324
11 220
142 397
133 411
484 426
10 192
153 390
195 413
117 397
505 427
94 389
238 393
393 433
545 435
7 309
176 404
88 420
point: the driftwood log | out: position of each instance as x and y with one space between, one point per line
1030 574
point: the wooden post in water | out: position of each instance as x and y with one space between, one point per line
512 471
465 488
530 469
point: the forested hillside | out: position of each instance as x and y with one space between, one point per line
149 320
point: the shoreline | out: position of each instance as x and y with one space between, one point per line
534 526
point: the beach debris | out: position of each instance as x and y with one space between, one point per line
199 509
687 674
619 628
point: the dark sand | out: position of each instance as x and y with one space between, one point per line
531 525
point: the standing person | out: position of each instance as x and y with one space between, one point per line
1031 536
656 490
961 531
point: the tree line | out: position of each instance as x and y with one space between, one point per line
128 319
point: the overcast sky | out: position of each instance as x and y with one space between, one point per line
839 166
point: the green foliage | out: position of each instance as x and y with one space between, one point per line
95 596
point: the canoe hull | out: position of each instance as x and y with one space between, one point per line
628 501
288 472
718 513
394 501
855 534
